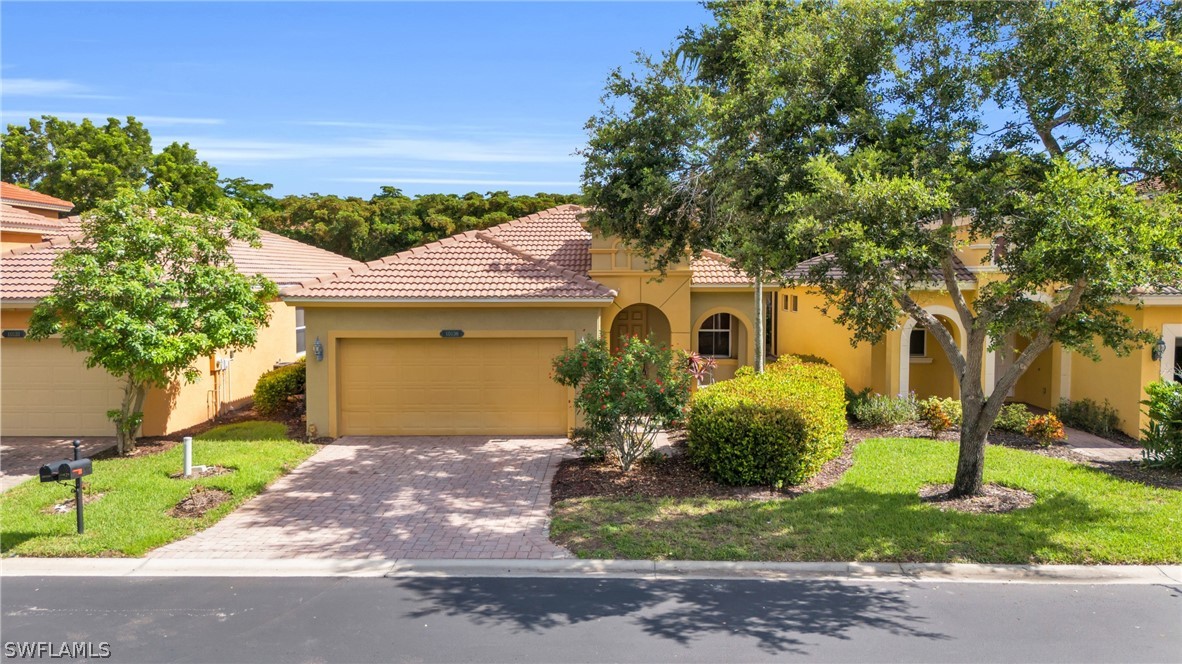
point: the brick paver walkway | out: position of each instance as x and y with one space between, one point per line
398 497
20 456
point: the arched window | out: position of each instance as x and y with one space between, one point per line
715 338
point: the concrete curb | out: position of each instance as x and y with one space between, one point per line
568 568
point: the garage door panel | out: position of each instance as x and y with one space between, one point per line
46 390
450 387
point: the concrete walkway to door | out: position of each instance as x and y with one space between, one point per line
398 497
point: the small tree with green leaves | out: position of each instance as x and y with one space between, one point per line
628 397
147 291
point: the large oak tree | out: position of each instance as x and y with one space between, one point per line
869 135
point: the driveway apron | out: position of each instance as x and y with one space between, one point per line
398 497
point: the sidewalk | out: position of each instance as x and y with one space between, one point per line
1099 449
647 569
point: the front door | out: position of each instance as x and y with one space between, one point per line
631 322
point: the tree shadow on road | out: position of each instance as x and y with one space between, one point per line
779 615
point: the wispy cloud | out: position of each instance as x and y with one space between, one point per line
152 120
47 87
478 183
414 149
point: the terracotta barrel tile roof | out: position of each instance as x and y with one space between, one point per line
16 219
554 235
473 265
963 274
714 269
22 196
26 273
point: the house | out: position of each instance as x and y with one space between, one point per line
909 360
46 389
27 217
456 337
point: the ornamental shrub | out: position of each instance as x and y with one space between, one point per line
940 414
625 398
1045 429
774 428
1162 437
879 410
1085 414
275 388
1013 417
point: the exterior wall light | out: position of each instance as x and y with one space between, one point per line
1159 349
318 349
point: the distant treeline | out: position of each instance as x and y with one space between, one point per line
87 163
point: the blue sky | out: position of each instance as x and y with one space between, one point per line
340 98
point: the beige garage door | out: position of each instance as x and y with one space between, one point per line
46 390
441 387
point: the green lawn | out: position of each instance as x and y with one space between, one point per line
131 516
874 514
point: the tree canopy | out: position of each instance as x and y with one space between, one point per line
86 164
878 136
390 221
148 290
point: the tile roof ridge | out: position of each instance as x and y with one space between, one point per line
365 267
60 240
549 266
535 216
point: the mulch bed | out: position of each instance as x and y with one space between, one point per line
199 501
67 506
675 477
993 499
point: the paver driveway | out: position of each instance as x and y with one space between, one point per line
21 456
398 497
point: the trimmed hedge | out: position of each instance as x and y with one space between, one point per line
775 428
274 388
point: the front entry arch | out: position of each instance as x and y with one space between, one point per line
640 320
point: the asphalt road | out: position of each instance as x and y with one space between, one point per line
589 620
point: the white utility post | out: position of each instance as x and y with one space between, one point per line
188 442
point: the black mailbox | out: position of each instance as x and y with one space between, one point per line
61 471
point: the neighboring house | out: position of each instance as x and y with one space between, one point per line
908 359
27 217
456 337
46 389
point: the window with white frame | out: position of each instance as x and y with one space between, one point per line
714 337
301 337
919 343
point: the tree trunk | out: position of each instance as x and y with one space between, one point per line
760 348
970 464
130 416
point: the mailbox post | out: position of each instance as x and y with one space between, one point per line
78 487
59 471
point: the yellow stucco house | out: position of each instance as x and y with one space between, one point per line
456 337
46 389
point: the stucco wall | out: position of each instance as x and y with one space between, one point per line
329 323
186 404
807 331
